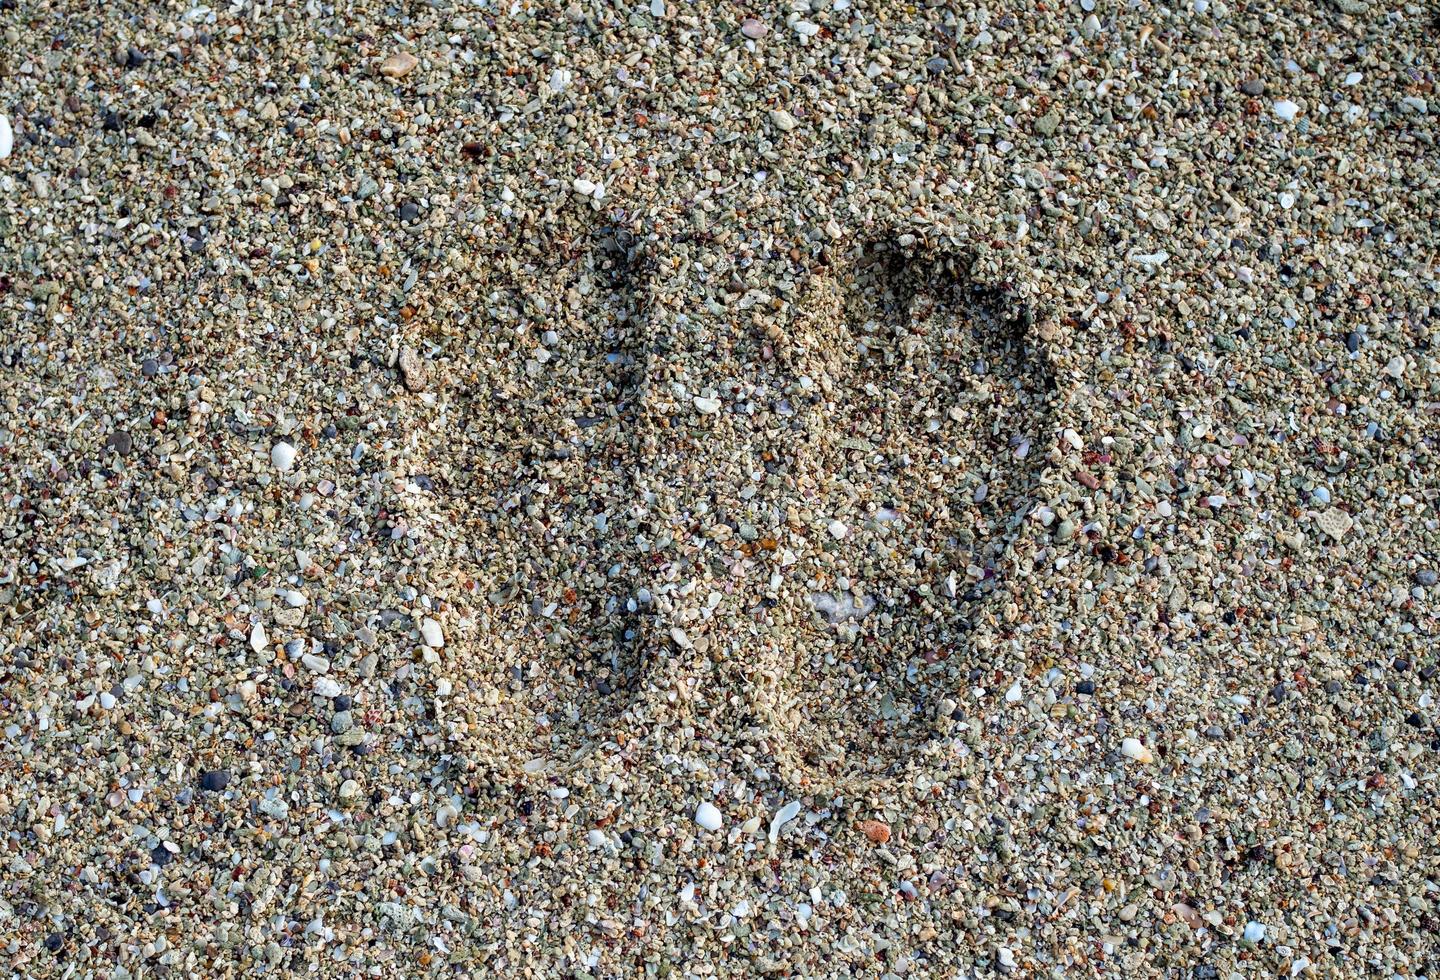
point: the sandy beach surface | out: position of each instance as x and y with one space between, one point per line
668 489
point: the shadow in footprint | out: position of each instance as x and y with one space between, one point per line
563 625
913 479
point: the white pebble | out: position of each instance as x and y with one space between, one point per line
1286 110
1013 695
430 630
707 816
1254 931
1354 78
258 640
583 187
327 687
107 700
1133 748
837 530
1395 367
294 599
283 456
706 406
7 137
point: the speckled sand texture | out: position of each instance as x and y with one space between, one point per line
845 489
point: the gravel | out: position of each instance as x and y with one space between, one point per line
998 441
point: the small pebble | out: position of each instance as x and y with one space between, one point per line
430 630
1133 748
753 28
877 831
282 457
119 442
7 137
215 780
1286 110
398 65
707 816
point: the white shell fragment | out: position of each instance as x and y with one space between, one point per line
707 816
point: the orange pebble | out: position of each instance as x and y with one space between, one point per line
876 830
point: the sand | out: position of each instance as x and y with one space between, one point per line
687 490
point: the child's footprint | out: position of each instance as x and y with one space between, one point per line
911 481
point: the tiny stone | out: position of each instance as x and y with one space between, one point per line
413 371
1286 110
149 367
7 137
1133 748
1426 577
1252 86
1334 522
1085 687
753 28
119 442
430 630
215 780
706 406
399 64
707 816
877 831
282 457
782 120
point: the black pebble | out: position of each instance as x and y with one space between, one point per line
1352 341
343 702
1085 687
1427 673
409 211
1401 664
134 58
1332 687
149 367
54 941
161 856
215 780
1416 719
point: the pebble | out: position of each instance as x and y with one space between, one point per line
876 831
706 406
119 442
7 137
412 370
837 529
432 634
327 687
753 28
1286 110
282 457
399 64
215 780
1254 932
782 120
1334 522
707 816
1133 748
